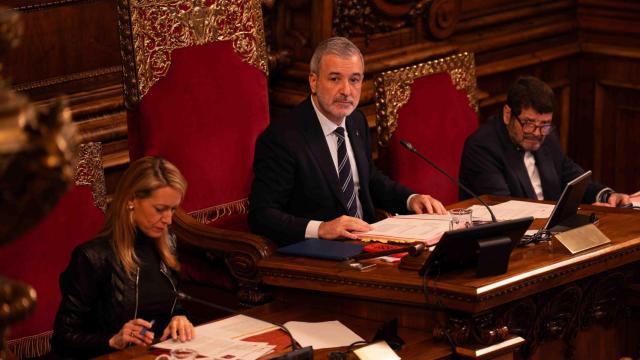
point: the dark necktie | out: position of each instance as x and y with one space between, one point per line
345 178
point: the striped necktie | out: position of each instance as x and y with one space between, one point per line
345 178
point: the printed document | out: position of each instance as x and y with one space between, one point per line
512 209
427 228
221 339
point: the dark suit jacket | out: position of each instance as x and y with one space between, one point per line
296 180
493 164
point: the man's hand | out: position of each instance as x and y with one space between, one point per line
421 204
341 228
615 199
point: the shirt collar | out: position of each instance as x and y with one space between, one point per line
328 126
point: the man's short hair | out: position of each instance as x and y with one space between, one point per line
530 92
337 45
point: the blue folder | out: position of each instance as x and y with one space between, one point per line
322 249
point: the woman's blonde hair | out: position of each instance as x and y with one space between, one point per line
141 179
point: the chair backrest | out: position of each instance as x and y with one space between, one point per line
196 89
432 105
41 254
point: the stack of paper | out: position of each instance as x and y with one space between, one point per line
220 348
221 339
512 209
427 228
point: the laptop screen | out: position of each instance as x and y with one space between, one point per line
569 201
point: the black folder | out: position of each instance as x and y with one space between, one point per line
322 249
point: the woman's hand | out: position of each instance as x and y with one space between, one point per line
131 332
179 328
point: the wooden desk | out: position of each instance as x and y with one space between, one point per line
561 304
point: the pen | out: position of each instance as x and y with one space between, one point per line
144 330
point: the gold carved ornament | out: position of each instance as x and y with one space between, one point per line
89 172
151 29
212 214
393 88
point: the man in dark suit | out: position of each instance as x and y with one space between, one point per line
518 154
314 175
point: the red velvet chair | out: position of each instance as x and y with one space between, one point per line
433 106
40 255
196 90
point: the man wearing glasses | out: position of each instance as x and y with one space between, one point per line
518 154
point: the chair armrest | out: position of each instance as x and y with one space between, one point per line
241 251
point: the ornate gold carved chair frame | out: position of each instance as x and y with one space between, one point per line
433 104
150 31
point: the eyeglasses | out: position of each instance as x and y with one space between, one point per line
530 126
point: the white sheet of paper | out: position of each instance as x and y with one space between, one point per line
419 227
215 347
377 351
322 335
235 327
219 339
512 209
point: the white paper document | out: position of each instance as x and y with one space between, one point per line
322 335
235 327
377 351
512 209
219 340
409 228
220 348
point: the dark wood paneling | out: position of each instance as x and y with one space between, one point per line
71 49
606 127
583 48
60 41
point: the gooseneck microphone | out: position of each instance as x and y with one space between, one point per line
296 353
410 147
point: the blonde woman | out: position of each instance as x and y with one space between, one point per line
120 288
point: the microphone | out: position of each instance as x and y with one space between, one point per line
410 147
305 353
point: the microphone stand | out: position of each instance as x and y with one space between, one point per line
410 147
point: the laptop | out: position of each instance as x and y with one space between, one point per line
565 214
323 249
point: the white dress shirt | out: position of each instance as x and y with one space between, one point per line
328 128
534 175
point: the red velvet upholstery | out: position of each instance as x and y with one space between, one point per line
436 119
204 116
198 97
38 258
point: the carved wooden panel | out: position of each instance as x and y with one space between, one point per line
70 48
64 42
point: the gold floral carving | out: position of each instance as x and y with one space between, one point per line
89 172
151 29
210 215
393 88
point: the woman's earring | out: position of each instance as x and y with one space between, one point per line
130 207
